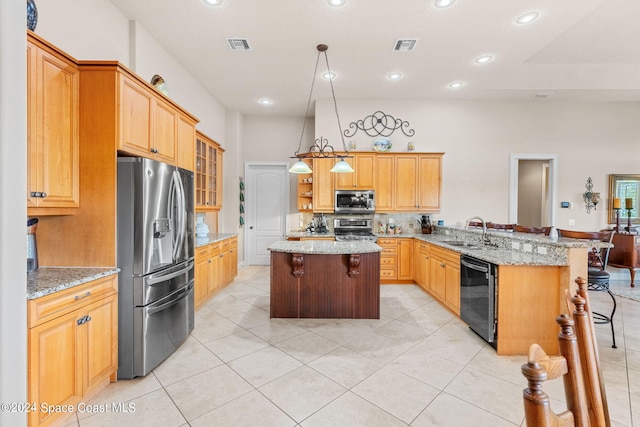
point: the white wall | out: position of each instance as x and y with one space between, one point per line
13 210
591 140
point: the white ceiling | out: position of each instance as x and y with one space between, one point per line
576 50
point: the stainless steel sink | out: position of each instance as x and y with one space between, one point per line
466 245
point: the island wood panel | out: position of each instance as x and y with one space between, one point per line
528 305
324 289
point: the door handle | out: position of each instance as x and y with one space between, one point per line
251 227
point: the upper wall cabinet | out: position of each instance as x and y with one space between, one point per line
363 165
52 130
417 182
152 127
208 173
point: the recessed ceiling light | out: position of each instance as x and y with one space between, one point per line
212 2
527 17
328 75
456 85
444 3
336 2
484 59
265 101
394 76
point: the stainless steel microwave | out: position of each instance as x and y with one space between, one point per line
350 201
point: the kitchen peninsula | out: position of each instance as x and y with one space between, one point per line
324 279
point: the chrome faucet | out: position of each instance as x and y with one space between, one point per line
484 227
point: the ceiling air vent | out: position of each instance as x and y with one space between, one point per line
239 44
405 45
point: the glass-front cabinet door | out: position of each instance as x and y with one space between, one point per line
208 173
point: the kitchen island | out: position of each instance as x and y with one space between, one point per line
325 279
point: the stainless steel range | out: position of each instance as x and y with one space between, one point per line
347 229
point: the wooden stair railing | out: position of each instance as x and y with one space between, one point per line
578 364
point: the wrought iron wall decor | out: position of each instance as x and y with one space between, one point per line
379 124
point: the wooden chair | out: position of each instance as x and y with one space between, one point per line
578 365
531 229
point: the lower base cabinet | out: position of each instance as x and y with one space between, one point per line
216 265
72 346
396 259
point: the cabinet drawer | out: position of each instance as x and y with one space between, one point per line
43 309
387 242
445 254
202 252
423 248
387 273
386 250
386 261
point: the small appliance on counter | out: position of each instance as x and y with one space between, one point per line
32 247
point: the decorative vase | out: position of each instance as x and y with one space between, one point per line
32 15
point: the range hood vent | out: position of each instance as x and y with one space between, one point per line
405 45
239 44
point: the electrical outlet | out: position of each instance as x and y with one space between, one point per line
572 221
527 247
515 245
542 250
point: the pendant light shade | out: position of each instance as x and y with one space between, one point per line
342 166
321 148
300 167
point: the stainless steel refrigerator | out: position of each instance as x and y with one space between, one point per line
156 258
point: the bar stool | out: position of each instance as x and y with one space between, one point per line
598 280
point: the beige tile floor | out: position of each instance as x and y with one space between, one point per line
418 365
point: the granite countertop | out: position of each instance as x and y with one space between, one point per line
48 280
297 234
213 238
325 247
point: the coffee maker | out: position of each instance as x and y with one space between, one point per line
32 248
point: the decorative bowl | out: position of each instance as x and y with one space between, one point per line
382 145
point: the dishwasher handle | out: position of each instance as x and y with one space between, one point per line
474 266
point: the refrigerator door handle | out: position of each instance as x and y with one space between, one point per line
177 201
156 278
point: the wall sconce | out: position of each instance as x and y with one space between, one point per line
591 199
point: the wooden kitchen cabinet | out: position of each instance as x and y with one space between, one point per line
216 265
208 174
417 182
186 143
53 178
396 260
305 188
208 273
323 185
150 126
421 263
384 182
362 178
444 277
72 345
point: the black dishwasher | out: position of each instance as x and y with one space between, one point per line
478 297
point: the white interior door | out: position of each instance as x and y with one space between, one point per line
267 203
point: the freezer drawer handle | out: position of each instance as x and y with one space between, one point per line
179 296
154 279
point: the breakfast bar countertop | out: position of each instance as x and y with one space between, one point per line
49 280
325 247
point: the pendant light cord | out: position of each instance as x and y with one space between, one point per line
335 104
306 113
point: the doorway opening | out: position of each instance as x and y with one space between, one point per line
533 189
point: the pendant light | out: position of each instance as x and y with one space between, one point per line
321 148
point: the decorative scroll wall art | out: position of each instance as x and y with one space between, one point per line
379 124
